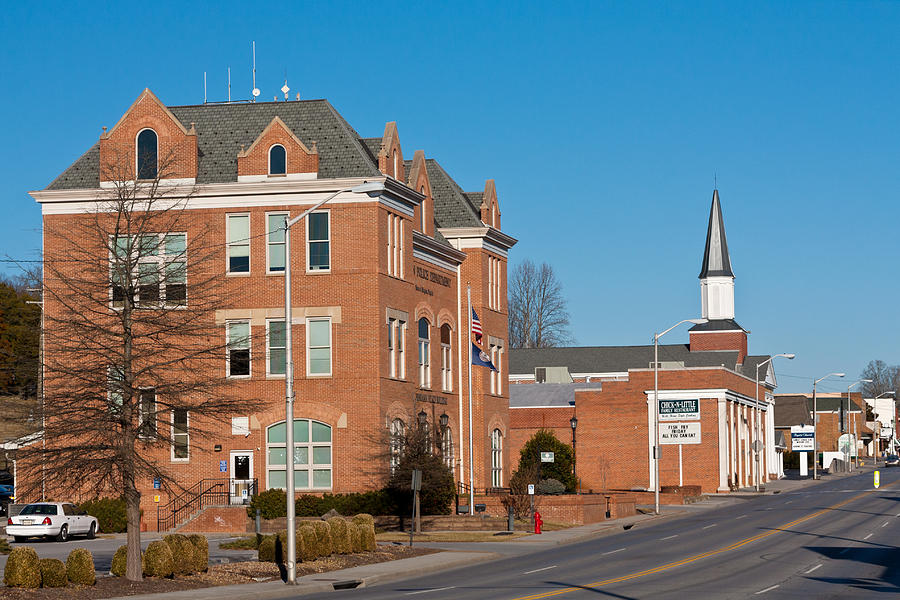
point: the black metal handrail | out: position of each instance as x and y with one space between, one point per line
204 493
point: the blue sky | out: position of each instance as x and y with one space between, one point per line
604 125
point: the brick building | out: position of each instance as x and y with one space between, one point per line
379 320
834 416
610 392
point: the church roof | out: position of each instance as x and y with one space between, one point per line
716 262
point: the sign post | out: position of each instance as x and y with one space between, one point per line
415 523
803 440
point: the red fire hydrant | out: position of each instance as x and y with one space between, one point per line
537 522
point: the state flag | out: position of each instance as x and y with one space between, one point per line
481 359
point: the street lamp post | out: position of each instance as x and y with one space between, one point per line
816 424
849 455
574 423
768 360
656 337
364 188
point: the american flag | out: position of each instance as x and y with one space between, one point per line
476 326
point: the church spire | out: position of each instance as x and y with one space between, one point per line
716 262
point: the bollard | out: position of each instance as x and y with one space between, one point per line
258 529
510 523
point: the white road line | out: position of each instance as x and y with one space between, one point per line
868 536
885 523
431 590
813 569
744 516
613 551
768 589
538 570
668 538
708 526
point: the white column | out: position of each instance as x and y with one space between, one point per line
650 416
732 442
723 445
742 438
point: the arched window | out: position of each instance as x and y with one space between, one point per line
424 354
277 160
147 149
398 435
447 447
312 455
496 458
446 359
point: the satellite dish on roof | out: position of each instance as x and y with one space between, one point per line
255 92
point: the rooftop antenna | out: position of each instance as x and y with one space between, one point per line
285 90
255 91
715 180
229 84
204 87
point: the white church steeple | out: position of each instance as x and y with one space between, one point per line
716 276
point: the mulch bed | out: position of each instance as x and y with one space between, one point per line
227 574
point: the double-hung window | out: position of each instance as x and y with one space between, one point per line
497 360
153 266
494 287
180 435
276 348
395 245
238 231
496 458
115 389
396 340
318 346
318 236
398 440
147 414
424 354
275 242
446 360
447 446
238 343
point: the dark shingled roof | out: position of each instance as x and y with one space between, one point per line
793 409
718 325
716 261
475 199
451 206
749 366
547 394
83 174
612 359
373 146
832 404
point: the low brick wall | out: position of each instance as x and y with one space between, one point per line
217 519
579 509
670 498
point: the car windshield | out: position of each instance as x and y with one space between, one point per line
39 509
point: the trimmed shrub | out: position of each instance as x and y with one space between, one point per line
357 537
119 562
310 551
110 513
157 560
340 535
266 551
201 552
23 568
299 546
324 541
367 525
272 504
53 573
80 567
182 553
551 487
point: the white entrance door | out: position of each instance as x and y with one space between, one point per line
241 476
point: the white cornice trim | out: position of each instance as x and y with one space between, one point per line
487 238
715 393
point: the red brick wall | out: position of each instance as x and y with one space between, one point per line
299 159
720 340
580 509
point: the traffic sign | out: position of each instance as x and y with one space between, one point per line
531 489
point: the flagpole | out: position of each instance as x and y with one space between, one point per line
471 456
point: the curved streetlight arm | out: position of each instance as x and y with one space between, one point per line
694 321
788 356
891 393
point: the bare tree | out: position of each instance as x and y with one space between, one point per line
131 344
538 316
885 378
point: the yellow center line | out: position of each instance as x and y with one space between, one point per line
697 557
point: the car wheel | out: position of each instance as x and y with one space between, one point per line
20 539
63 534
92 532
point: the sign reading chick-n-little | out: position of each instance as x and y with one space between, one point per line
679 433
679 410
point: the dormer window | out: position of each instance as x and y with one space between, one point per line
147 148
277 160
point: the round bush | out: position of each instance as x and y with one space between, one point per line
53 573
323 538
551 487
80 567
271 503
310 550
119 562
266 550
23 568
281 552
182 553
110 513
367 524
201 552
157 560
340 535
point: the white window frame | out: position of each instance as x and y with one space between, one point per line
424 351
309 242
270 243
269 161
446 361
187 434
397 435
395 258
229 244
269 373
447 446
310 444
154 424
497 360
228 325
330 348
496 458
160 260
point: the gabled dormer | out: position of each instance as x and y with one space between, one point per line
277 154
148 142
418 180
490 206
390 157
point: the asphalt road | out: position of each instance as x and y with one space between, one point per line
836 539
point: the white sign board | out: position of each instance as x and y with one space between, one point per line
547 457
803 438
679 410
531 489
679 433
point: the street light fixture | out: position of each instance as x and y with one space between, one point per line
574 423
816 424
656 337
768 360
849 455
368 187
